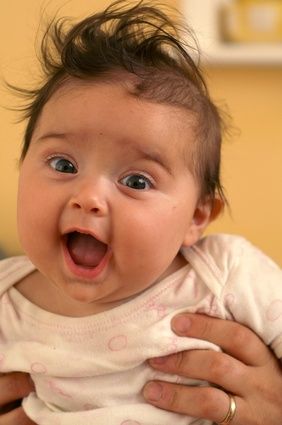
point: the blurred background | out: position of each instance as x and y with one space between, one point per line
241 46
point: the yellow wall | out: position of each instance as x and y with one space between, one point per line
252 170
252 159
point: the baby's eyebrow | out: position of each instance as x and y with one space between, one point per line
62 136
143 152
154 156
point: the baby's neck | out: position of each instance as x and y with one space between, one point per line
38 291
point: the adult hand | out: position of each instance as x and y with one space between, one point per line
246 368
13 387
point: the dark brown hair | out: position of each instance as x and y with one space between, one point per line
142 40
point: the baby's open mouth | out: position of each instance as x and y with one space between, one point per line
85 250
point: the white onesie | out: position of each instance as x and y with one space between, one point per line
91 370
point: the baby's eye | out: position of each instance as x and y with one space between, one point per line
62 165
136 181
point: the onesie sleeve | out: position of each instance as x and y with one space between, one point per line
252 294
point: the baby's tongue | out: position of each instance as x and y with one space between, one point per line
85 250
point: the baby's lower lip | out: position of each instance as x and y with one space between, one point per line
88 273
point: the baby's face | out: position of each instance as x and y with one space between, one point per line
106 199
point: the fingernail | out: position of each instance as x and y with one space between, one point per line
153 391
181 324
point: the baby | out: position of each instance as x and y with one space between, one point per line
119 178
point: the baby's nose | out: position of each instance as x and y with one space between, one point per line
91 198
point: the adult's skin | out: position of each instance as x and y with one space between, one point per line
246 368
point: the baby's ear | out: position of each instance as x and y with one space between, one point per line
205 212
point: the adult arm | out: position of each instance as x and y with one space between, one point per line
13 387
246 368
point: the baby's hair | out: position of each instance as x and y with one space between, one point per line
142 41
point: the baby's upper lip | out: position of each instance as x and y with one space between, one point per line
83 231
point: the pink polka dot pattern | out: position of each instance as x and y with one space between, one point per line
117 343
274 311
38 368
129 422
2 358
160 309
57 390
115 321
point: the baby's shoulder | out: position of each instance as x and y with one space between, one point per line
228 247
13 270
220 257
221 251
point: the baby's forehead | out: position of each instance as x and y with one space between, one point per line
111 107
123 88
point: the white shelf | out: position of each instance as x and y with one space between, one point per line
202 18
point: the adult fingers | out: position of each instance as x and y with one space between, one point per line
14 386
233 338
15 417
217 368
199 402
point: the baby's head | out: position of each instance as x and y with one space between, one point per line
121 161
143 46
